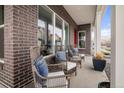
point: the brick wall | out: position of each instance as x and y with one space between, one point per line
6 75
87 28
24 36
20 34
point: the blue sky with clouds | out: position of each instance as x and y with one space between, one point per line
105 24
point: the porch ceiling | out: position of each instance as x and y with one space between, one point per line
81 14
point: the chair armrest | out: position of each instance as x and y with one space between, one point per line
54 77
50 77
59 78
38 75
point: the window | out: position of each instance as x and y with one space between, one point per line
81 39
58 33
53 31
1 31
45 30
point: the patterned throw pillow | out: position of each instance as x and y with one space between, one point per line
41 66
75 51
60 56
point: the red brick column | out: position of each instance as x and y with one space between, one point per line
7 74
20 34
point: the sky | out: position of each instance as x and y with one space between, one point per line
105 25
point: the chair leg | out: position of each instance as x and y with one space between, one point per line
75 71
68 82
80 65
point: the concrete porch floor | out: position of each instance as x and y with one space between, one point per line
87 77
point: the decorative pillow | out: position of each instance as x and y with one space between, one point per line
37 59
75 51
60 56
41 66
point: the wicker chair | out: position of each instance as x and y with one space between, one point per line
53 80
52 65
68 66
74 58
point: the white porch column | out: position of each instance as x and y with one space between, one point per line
54 22
117 59
98 31
93 40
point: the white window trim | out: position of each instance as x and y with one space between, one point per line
2 61
63 32
68 30
1 26
78 39
54 23
62 25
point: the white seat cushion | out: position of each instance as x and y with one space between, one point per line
57 82
82 55
70 65
59 73
76 57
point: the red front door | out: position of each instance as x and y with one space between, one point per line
75 38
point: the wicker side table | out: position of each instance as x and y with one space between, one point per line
82 56
71 68
77 60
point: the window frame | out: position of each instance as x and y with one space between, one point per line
47 25
60 19
80 39
64 22
54 27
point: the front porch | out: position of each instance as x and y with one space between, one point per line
52 28
86 77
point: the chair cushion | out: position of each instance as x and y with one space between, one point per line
37 59
75 57
57 82
58 73
75 51
41 66
70 65
60 56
